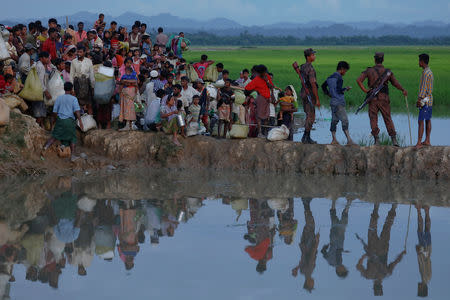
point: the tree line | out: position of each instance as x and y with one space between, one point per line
246 39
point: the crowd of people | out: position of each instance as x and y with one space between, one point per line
74 229
156 89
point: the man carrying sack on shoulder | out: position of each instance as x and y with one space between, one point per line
381 102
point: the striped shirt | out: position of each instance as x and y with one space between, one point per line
426 85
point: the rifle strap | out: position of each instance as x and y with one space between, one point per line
380 78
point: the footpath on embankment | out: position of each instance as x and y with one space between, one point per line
117 150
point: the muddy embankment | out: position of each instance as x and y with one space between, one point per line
22 141
261 156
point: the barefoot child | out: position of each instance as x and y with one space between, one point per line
425 100
224 110
128 95
333 88
288 105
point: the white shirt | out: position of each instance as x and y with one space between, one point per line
187 94
80 68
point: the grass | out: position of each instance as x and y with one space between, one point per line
385 140
403 61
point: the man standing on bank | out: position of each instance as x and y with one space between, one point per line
425 100
381 102
309 75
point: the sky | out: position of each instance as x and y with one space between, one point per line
246 12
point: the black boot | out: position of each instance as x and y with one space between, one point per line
305 134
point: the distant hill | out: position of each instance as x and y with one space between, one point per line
227 27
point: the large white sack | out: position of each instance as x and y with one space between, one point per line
4 113
4 54
278 134
55 87
212 91
153 112
88 122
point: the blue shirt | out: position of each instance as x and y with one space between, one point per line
65 106
335 83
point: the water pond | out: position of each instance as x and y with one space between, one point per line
360 128
169 235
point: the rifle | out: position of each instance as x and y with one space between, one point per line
374 92
308 95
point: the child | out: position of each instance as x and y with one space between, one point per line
137 61
66 71
213 114
42 37
288 105
146 45
128 95
333 87
115 41
224 110
194 109
9 83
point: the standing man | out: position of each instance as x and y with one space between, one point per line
82 77
161 38
50 44
67 110
333 88
80 35
423 249
381 103
309 75
425 100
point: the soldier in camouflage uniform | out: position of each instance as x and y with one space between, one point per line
381 102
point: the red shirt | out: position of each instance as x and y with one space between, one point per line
260 85
259 251
50 47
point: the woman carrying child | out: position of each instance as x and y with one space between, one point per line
128 96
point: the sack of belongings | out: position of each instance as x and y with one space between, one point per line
278 134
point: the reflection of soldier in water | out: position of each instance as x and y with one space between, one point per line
261 230
377 249
308 246
423 250
332 252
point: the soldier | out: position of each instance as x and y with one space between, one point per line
309 75
381 102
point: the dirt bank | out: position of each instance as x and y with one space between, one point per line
261 156
21 143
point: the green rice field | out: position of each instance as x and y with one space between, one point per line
403 61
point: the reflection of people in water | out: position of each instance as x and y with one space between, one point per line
377 249
423 250
261 230
332 252
308 246
128 233
84 245
288 225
